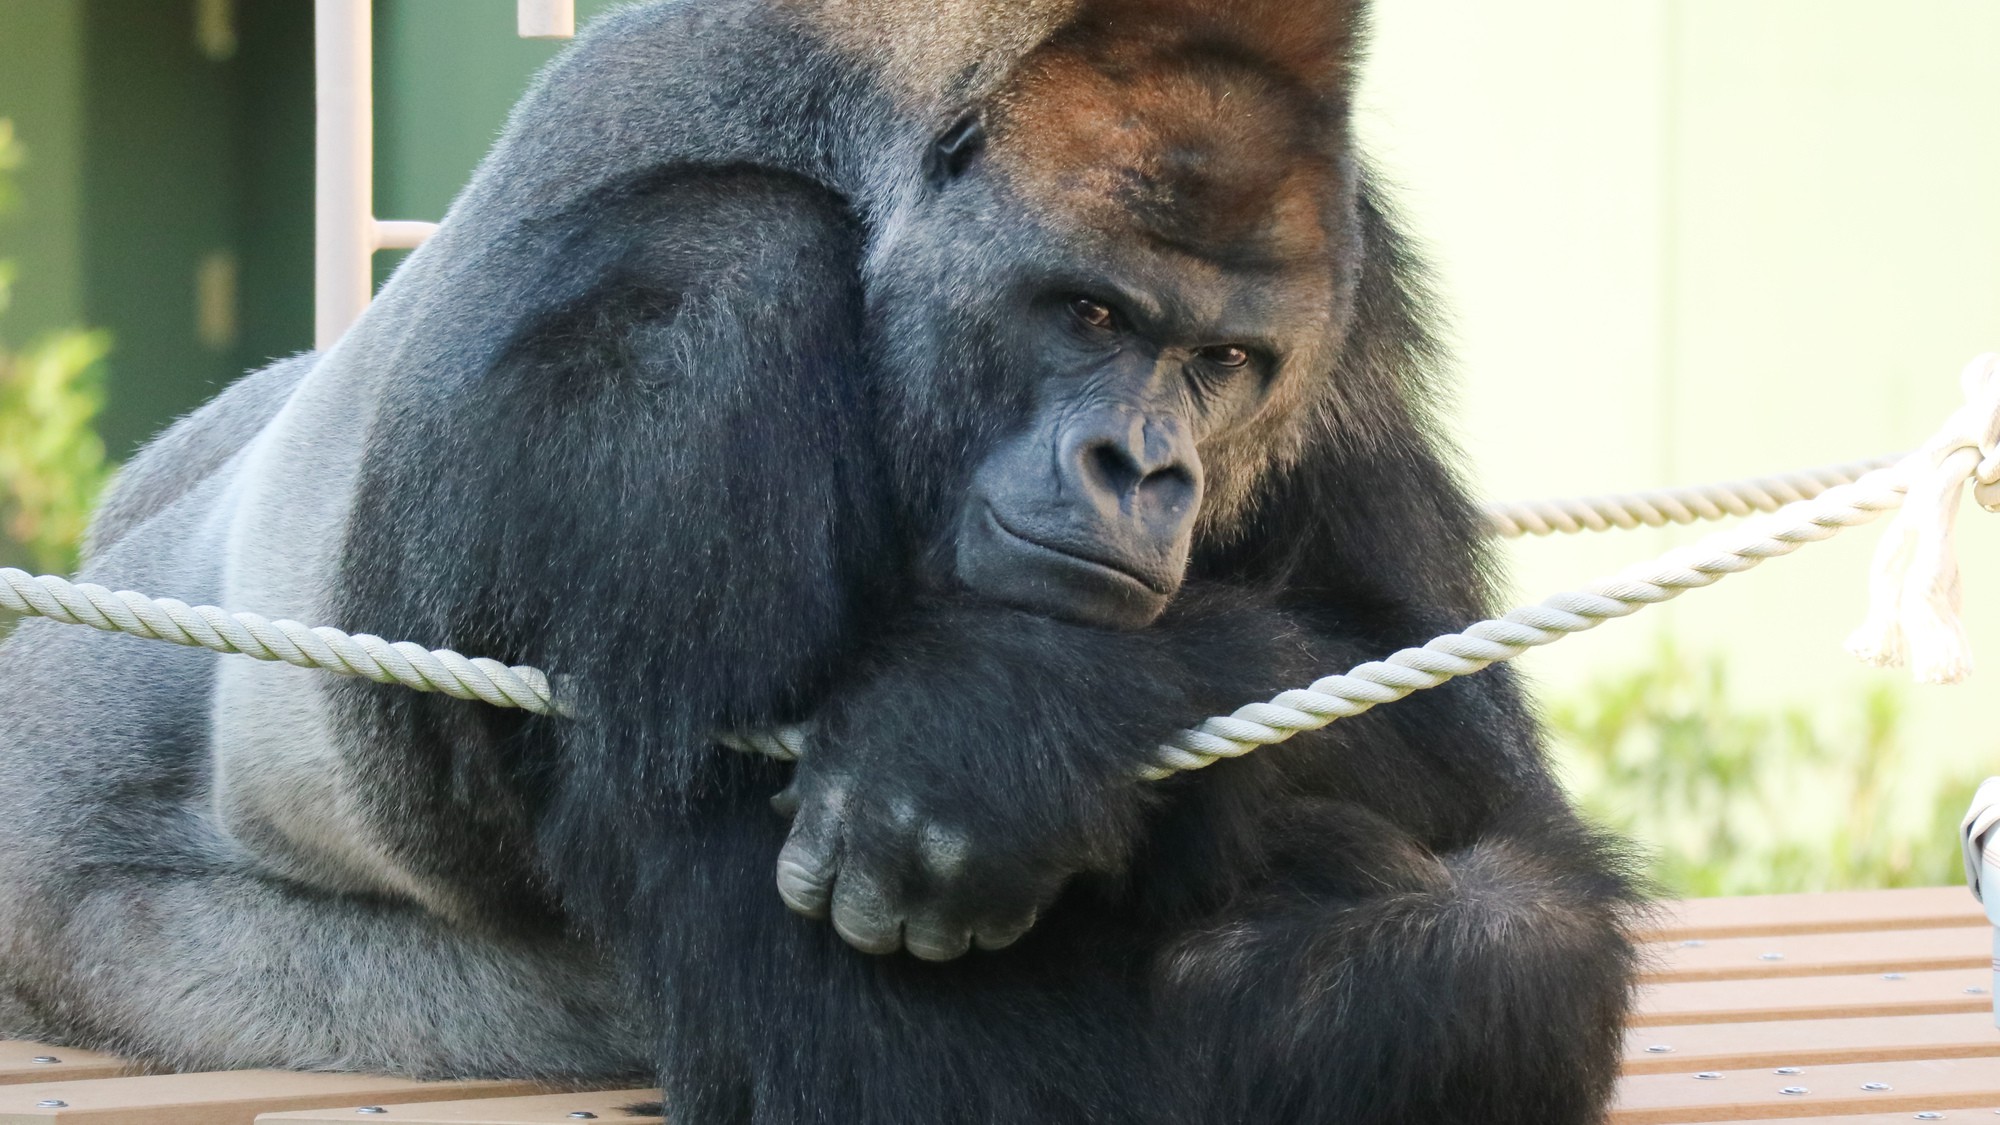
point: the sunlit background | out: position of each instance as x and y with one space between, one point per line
1676 241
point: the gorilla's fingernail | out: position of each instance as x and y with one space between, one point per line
868 933
992 941
786 801
936 944
803 888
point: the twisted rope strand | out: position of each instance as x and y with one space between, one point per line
1826 501
247 634
1659 507
1489 642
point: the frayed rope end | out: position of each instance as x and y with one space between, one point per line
1914 611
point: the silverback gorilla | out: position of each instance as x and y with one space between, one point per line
994 386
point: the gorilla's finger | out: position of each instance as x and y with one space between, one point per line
864 916
805 880
785 802
994 938
932 939
810 860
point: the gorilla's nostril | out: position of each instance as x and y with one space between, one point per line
1113 468
1170 490
1160 490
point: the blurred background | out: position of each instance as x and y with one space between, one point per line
1675 241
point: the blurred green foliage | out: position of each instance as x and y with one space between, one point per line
1729 798
52 463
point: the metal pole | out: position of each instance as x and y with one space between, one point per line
546 19
402 234
344 152
345 231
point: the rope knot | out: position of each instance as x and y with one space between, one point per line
1913 586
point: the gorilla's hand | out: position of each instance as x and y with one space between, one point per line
978 758
894 869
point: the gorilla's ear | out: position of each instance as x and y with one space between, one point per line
954 149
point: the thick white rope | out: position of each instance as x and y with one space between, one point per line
1624 511
1915 612
1492 641
1913 582
247 634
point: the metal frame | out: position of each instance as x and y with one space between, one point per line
346 233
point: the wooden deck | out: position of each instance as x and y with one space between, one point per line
1838 1009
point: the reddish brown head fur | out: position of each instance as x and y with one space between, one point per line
1205 127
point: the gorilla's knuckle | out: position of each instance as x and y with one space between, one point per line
946 853
832 792
903 813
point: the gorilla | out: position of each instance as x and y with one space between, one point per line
992 387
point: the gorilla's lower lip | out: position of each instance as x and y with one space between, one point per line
1108 569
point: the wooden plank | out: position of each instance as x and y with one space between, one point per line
1808 955
1814 998
539 1109
1733 1046
1759 1095
222 1098
21 1061
1980 1113
1757 915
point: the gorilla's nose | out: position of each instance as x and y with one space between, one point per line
1089 517
1131 467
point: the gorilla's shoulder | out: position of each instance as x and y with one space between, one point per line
193 448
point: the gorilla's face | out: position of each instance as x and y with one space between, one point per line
1123 290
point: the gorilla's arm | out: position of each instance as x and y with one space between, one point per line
659 488
979 758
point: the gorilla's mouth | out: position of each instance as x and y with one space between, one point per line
1001 564
1076 558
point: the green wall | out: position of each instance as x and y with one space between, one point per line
154 163
41 90
446 73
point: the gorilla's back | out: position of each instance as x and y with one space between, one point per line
140 861
111 729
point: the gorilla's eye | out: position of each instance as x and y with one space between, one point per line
1091 312
1226 355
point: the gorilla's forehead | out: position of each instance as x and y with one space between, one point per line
920 49
1195 151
